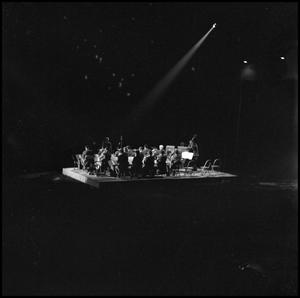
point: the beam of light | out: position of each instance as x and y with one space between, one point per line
160 88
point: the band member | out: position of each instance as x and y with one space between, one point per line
136 169
104 159
114 158
87 151
155 152
160 148
193 147
107 144
141 151
146 150
87 159
161 162
169 162
123 163
148 168
175 161
120 143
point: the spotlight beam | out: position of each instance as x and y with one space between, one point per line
160 88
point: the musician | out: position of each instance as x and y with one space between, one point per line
86 151
113 164
137 164
158 152
104 159
175 161
148 168
123 163
120 143
107 144
98 160
87 158
193 147
161 162
141 152
155 152
146 150
118 152
100 150
168 161
126 149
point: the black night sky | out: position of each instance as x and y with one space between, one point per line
74 71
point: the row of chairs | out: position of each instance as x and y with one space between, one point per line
214 166
209 166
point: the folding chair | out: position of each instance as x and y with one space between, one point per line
206 167
216 166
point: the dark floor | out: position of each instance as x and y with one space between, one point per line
61 237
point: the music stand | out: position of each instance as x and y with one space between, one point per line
189 156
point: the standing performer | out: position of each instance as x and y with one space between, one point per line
193 147
120 143
107 144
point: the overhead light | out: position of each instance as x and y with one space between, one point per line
282 58
245 61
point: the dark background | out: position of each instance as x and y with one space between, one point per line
51 111
156 237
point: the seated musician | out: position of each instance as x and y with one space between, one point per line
87 158
126 149
123 163
146 150
175 161
137 165
155 152
141 150
118 152
160 148
113 165
161 162
120 143
168 161
86 151
105 158
100 150
148 169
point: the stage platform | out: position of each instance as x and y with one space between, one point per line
96 181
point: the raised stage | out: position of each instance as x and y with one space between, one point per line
96 181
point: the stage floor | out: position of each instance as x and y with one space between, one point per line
96 181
